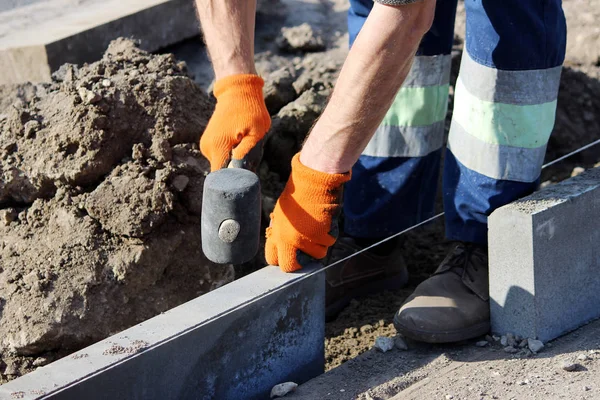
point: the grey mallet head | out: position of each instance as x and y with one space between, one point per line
231 211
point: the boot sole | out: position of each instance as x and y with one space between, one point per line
442 336
389 283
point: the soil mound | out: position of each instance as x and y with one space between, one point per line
100 197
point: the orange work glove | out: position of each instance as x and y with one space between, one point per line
305 216
239 122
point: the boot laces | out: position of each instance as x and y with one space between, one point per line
465 258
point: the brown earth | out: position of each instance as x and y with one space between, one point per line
100 203
100 230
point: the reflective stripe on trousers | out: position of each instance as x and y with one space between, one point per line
504 109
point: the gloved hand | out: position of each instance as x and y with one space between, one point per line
305 216
239 122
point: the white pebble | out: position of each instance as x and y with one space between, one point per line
106 82
384 344
482 343
535 345
283 388
583 357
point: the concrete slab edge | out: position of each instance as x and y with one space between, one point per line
234 342
544 260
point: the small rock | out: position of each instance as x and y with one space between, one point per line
577 171
88 96
283 388
366 328
384 344
583 357
523 343
496 338
510 339
106 82
8 215
535 345
11 369
482 343
180 182
41 361
587 388
489 339
504 340
569 366
400 343
510 350
449 397
522 383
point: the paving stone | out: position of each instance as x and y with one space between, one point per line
207 346
544 260
82 33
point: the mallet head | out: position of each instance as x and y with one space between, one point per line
231 211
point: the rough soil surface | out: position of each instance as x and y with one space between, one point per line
151 163
567 368
99 202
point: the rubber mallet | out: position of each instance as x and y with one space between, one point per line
231 211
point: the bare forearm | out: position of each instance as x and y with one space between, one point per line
374 70
228 28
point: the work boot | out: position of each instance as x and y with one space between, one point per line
453 304
361 275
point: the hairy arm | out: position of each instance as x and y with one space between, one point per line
373 72
228 28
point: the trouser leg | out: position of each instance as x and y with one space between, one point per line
504 109
394 182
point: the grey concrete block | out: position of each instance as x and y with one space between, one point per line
31 52
545 260
204 349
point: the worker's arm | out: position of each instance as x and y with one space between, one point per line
376 66
240 119
305 215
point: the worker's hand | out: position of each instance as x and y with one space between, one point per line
305 216
239 122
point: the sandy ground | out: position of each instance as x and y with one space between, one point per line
465 371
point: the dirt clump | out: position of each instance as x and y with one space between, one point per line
300 38
100 199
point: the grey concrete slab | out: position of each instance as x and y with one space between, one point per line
33 49
545 260
207 348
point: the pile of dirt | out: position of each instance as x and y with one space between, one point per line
100 199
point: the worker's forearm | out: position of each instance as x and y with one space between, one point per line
374 70
228 28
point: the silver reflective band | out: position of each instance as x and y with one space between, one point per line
406 141
429 71
510 87
396 2
493 160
